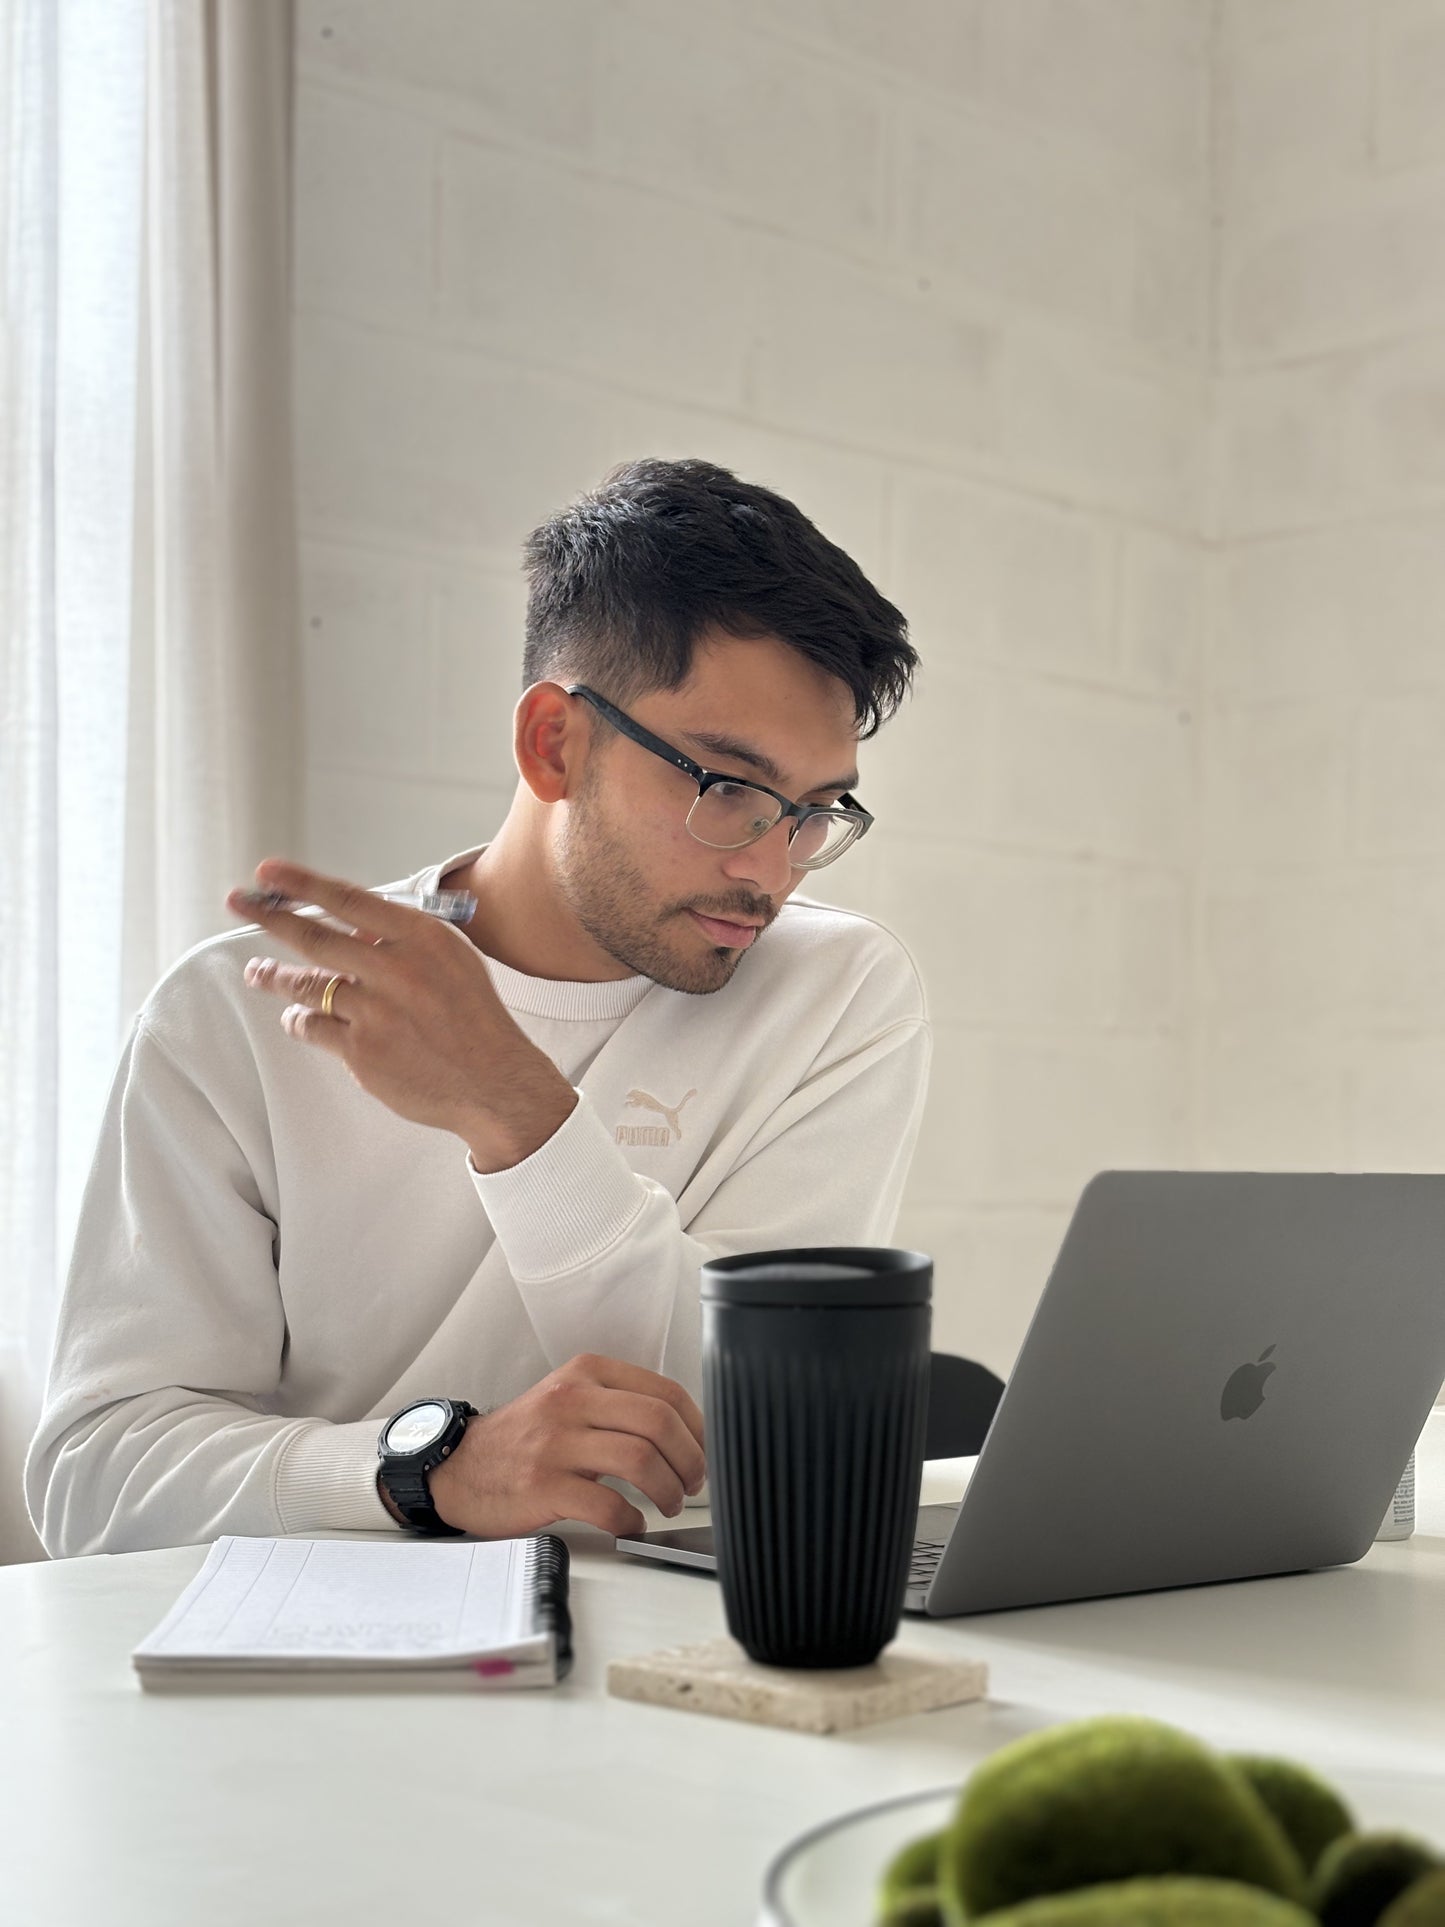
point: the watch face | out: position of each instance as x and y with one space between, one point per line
417 1428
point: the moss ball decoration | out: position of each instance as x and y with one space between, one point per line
1311 1813
1360 1874
1178 1902
915 1865
915 1907
1106 1800
907 1893
1421 1905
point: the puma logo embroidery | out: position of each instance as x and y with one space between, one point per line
653 1133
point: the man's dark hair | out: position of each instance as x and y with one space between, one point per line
625 580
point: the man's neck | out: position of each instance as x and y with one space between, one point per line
521 922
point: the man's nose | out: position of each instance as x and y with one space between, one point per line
765 864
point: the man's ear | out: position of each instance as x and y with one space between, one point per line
551 739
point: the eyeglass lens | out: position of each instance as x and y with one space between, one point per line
731 815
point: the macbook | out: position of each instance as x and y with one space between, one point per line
1224 1378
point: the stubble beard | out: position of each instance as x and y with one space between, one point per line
609 896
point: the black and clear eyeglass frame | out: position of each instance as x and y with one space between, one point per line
848 810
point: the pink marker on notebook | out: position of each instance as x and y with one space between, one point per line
493 1668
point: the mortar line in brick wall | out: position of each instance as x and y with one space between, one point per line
361 538
1007 671
1211 502
986 1205
1123 867
1001 1207
1196 973
1363 518
887 523
1115 563
402 773
1067 1040
1343 872
1160 868
391 549
1353 349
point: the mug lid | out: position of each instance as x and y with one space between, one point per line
820 1277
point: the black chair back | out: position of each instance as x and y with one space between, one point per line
962 1399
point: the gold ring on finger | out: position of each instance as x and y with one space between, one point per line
329 994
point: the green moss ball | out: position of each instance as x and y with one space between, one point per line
1309 1810
1177 1902
915 1865
907 1893
914 1907
1106 1800
1360 1874
1421 1905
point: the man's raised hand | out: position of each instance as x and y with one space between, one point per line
412 1013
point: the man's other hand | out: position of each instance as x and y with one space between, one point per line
538 1460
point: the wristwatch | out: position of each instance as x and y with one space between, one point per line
413 1442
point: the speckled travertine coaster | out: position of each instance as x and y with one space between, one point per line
718 1677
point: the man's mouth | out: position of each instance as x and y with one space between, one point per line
735 936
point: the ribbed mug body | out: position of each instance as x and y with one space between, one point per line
815 1427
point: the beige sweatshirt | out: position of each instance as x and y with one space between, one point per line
269 1262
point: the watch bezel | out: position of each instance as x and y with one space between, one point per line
403 1475
446 1415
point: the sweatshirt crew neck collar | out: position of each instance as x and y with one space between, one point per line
567 1002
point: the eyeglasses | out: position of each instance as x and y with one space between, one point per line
728 814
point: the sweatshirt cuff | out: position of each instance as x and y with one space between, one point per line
567 1203
326 1477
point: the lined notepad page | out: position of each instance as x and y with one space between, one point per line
327 1599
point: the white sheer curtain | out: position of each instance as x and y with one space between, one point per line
148 692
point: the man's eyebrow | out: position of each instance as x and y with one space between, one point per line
731 750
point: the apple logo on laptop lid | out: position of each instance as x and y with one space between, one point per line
1244 1389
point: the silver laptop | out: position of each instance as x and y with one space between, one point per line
1224 1378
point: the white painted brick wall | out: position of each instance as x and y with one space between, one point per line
1322 894
939 271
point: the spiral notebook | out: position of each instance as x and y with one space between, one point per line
312 1614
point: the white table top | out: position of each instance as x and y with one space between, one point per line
126 1809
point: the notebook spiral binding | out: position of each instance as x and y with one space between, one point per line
547 1569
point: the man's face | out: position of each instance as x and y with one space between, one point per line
629 869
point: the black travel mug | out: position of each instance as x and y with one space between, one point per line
815 1397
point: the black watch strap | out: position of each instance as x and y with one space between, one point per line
404 1475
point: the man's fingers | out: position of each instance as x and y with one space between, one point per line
310 1027
623 1455
362 909
303 984
597 1505
656 1428
622 1377
307 934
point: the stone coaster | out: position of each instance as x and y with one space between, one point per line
718 1677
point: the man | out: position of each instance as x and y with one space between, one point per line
402 1161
